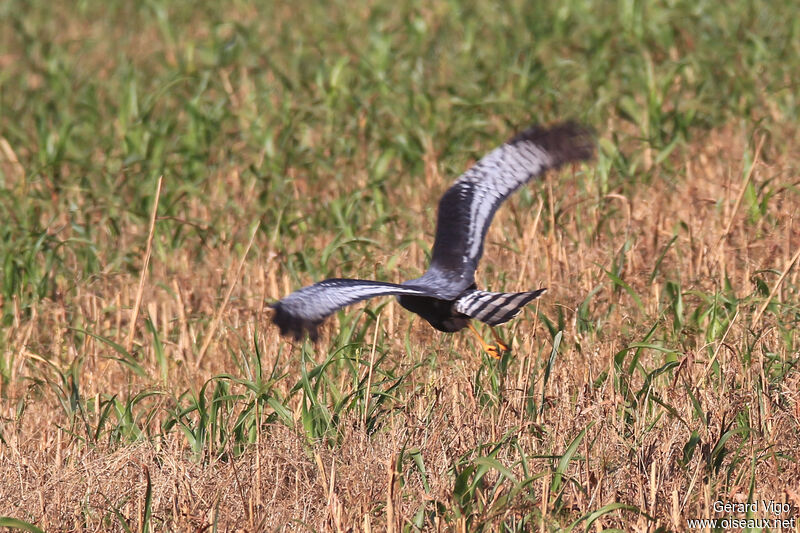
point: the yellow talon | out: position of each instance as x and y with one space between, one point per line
495 352
500 343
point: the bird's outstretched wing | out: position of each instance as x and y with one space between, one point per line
467 208
495 308
305 309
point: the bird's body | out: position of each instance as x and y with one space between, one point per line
439 313
446 295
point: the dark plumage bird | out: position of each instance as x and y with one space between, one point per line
446 295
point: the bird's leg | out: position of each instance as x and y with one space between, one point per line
491 349
500 342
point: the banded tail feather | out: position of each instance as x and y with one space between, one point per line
495 308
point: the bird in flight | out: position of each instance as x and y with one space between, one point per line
446 294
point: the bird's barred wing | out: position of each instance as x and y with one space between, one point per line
495 308
305 309
467 208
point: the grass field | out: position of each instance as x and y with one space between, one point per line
143 387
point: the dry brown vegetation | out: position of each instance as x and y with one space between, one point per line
52 477
658 375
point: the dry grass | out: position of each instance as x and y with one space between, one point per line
658 375
53 478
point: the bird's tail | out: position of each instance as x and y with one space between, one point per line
495 308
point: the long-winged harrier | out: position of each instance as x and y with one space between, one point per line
446 295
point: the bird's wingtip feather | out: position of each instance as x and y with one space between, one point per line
291 325
566 141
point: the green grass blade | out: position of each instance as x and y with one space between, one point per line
14 523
